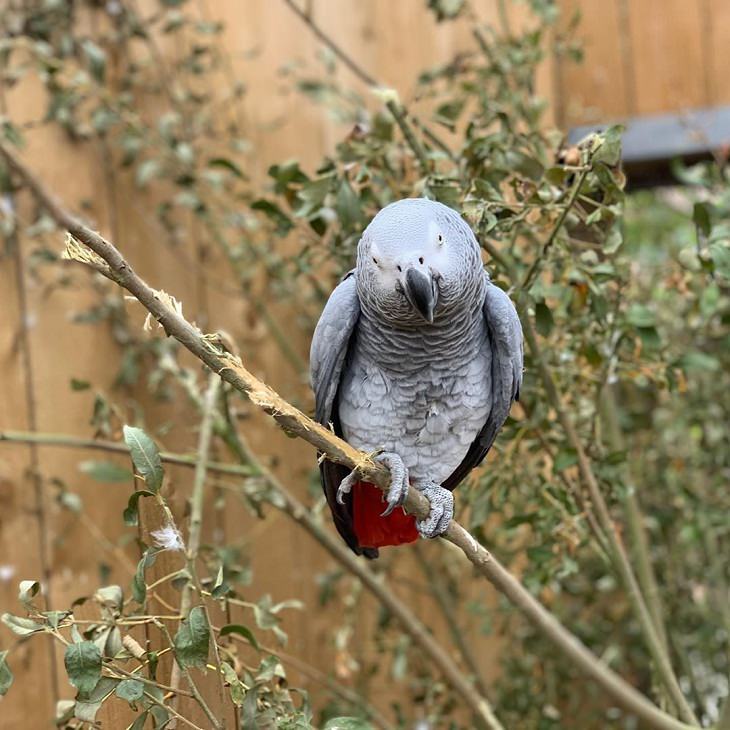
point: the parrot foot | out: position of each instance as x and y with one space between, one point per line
346 486
398 490
442 510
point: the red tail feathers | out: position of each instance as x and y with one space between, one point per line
371 529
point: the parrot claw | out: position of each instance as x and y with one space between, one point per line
346 486
398 490
442 510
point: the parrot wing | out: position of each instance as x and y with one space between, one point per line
330 343
505 339
327 360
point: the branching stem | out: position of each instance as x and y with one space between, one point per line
296 423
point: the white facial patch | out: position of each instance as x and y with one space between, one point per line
438 253
375 251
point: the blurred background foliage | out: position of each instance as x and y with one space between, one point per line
628 295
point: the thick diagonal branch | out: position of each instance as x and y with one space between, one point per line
298 424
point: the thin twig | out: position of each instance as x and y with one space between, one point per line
617 552
197 502
296 423
534 270
723 722
61 440
418 632
172 711
151 682
617 549
398 112
39 512
446 604
337 689
189 679
635 520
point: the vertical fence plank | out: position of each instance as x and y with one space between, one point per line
717 39
597 88
20 535
666 41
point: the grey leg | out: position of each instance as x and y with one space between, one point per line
398 490
346 486
442 509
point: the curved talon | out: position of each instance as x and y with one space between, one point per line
442 510
398 490
346 486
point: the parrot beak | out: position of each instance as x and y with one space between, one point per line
421 293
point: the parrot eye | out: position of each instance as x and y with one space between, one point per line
420 260
375 261
399 268
441 238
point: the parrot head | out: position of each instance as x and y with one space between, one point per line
417 261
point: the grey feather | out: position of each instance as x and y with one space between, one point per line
505 341
329 345
327 358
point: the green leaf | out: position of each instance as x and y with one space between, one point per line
312 195
220 587
19 625
131 690
27 591
138 724
6 676
146 171
640 316
348 205
110 597
106 471
720 255
145 456
275 214
228 165
154 659
610 150
131 512
159 714
649 337
192 639
96 58
564 459
89 703
699 361
347 723
543 319
614 240
83 665
241 631
64 712
55 617
449 112
446 9
701 218
139 588
238 690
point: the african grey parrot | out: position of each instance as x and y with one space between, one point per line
417 355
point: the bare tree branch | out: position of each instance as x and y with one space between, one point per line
297 423
398 111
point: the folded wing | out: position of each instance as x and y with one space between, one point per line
327 360
505 339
